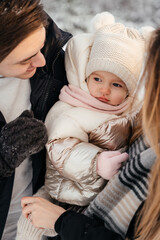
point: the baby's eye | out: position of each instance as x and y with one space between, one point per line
117 85
97 79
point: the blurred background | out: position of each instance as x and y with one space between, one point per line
74 15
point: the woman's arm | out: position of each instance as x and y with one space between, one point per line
68 224
71 225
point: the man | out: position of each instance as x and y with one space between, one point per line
32 74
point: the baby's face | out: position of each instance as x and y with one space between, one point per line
107 88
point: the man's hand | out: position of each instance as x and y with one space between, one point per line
19 139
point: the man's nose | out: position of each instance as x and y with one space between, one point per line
38 60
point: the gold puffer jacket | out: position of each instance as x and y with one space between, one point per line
77 135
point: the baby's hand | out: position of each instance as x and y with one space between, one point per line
109 162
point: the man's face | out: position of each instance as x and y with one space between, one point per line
23 61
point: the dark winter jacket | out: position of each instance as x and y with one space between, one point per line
45 88
71 226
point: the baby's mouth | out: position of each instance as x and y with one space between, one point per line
102 99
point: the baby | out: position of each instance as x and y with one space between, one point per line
94 115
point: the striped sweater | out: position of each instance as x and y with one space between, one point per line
124 193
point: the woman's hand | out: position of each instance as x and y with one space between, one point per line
41 212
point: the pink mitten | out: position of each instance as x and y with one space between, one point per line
109 162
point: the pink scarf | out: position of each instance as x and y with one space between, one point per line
79 98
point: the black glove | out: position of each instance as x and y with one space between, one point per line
19 139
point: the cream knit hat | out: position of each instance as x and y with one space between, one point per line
118 49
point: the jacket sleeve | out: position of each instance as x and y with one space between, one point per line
71 168
68 146
71 225
2 123
76 172
74 159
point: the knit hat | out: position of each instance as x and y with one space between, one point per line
118 49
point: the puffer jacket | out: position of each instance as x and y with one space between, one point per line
45 88
77 135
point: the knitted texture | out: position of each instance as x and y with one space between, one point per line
19 139
124 193
25 229
117 49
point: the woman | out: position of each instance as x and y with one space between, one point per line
149 227
70 225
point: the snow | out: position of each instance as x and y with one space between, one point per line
75 15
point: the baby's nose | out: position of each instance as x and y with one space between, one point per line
105 90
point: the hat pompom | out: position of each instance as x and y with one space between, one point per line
147 32
101 20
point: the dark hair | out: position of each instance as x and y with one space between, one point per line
18 19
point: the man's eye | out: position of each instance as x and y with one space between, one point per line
25 63
117 85
97 79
